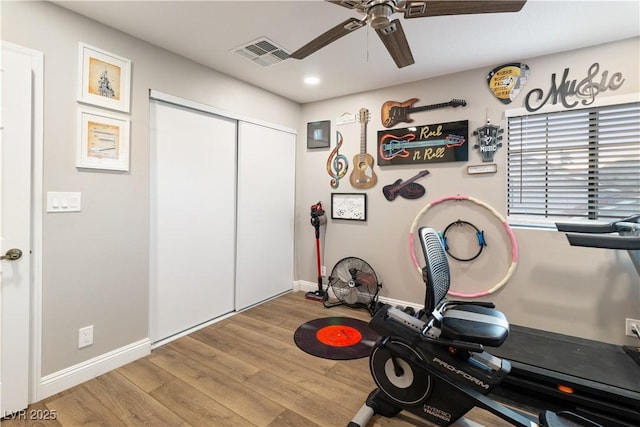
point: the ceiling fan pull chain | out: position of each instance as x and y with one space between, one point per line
367 42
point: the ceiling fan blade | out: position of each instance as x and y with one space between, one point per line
396 43
330 36
349 4
420 9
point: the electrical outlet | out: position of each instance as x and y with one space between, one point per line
323 270
85 336
629 323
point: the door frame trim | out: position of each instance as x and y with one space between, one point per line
37 157
37 180
182 102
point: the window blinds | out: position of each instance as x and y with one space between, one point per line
579 164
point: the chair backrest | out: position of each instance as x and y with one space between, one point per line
436 271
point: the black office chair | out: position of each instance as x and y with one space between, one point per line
435 366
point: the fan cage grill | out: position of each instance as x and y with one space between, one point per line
354 283
345 294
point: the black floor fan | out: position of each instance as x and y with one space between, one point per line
317 219
354 284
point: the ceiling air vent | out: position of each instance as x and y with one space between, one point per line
262 52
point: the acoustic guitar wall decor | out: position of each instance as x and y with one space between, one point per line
395 112
362 176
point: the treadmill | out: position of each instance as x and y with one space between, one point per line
597 380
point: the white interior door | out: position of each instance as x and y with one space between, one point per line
266 196
193 176
15 226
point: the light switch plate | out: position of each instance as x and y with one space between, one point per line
64 201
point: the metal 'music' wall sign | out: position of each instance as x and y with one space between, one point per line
586 90
441 142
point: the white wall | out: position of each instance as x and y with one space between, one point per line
95 263
580 291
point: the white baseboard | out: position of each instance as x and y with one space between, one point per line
77 374
303 285
85 371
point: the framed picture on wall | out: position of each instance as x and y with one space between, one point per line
103 142
351 206
104 78
318 134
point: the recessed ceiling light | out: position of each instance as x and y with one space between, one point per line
311 80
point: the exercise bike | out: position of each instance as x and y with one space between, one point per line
435 366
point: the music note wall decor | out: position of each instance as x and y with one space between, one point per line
337 164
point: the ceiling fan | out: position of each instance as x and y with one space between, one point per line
377 14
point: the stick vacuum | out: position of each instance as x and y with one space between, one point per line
317 219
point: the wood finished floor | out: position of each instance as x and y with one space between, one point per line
245 370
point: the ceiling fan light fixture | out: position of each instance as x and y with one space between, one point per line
379 15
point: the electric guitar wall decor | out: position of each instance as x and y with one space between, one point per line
408 189
395 112
362 176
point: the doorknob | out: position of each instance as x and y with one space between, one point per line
12 255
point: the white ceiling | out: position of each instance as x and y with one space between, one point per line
207 31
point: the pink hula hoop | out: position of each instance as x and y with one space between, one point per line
508 230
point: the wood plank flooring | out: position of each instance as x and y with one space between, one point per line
245 370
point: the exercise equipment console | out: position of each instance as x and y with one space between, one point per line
594 379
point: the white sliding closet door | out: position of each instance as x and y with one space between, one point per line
266 194
193 175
